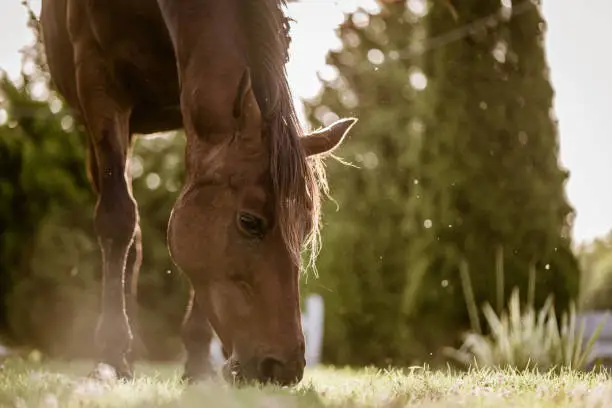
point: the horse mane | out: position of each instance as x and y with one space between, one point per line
297 180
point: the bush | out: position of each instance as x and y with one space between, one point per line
596 280
49 256
457 157
44 192
528 339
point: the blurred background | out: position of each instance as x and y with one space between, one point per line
482 165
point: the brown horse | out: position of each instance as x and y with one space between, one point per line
251 198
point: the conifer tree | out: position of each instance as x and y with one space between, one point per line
457 156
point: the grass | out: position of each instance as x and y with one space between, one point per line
522 336
526 337
53 384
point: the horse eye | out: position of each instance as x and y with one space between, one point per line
252 225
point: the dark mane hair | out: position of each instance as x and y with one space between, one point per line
297 180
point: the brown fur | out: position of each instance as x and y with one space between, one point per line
251 197
296 179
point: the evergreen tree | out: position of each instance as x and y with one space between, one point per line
490 119
458 164
596 280
49 257
371 244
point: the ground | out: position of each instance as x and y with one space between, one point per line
55 384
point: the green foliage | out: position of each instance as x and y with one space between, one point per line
49 256
449 171
492 171
596 282
457 156
44 192
157 168
528 339
368 256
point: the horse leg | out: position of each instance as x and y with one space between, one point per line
197 335
106 117
134 257
132 272
115 222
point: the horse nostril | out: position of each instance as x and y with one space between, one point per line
271 369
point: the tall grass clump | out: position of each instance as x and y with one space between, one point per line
523 337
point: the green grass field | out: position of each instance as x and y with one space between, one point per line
64 385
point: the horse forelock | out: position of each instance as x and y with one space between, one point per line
297 180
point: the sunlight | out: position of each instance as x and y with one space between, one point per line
39 90
580 106
417 7
152 181
418 80
329 73
376 56
67 123
361 19
55 105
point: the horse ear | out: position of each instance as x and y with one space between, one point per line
246 108
327 139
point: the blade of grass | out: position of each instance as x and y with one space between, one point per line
499 277
470 300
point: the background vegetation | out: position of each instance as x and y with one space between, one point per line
457 179
458 165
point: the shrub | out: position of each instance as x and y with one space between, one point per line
528 338
49 255
596 280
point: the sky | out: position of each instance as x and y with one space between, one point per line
577 44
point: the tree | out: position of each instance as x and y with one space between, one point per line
458 164
596 265
43 193
49 257
371 244
491 115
